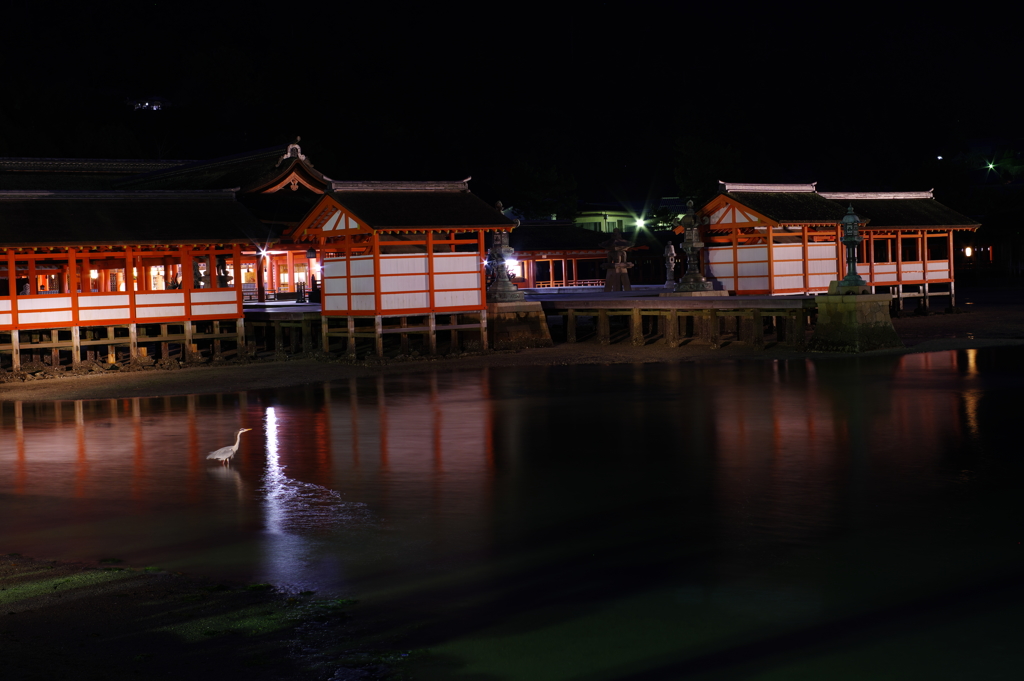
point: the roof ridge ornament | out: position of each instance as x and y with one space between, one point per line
292 151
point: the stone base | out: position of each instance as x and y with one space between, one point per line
695 294
517 325
852 323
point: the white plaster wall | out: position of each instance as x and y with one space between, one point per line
210 297
44 317
103 301
409 282
403 264
450 281
117 313
230 310
161 311
43 302
456 298
404 301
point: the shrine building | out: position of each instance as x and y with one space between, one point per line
779 239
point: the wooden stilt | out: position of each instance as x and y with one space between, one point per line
636 327
757 332
307 335
712 329
671 332
16 351
378 335
432 334
604 330
351 347
76 347
483 329
133 342
570 327
325 331
403 337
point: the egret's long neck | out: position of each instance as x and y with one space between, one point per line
238 438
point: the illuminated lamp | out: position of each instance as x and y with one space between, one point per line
968 251
639 223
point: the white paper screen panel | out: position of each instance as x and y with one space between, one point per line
450 281
789 267
339 285
406 282
456 298
788 252
889 268
362 302
884 276
912 268
456 263
752 269
753 284
821 251
820 280
938 266
337 303
720 270
6 319
405 301
167 311
821 266
789 282
5 305
101 301
720 254
752 253
97 315
362 284
335 267
362 265
403 264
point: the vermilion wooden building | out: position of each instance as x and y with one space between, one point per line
784 239
398 254
84 269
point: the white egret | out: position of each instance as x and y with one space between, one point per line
224 454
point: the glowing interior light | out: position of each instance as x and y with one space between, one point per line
939 157
968 251
512 264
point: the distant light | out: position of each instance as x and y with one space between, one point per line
991 166
968 251
640 223
939 157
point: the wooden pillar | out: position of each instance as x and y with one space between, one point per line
307 334
111 348
712 333
216 341
453 320
76 347
757 336
570 327
604 331
899 270
350 350
432 323
188 350
325 333
483 329
672 329
133 341
636 328
240 332
290 264
261 287
403 337
15 347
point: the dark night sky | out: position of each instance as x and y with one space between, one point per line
602 90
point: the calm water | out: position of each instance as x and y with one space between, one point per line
847 518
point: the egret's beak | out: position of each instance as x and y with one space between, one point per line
246 429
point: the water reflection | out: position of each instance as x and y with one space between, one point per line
527 487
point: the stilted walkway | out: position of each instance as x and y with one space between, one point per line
678 317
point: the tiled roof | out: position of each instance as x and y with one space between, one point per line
248 171
74 173
391 206
884 213
791 206
31 218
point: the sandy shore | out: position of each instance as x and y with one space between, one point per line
991 317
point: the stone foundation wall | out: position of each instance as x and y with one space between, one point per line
853 323
517 325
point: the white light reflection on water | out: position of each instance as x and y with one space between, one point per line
294 558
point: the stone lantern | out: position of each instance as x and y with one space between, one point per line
852 282
693 281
